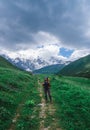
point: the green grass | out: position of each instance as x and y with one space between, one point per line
17 87
72 98
29 118
6 64
19 93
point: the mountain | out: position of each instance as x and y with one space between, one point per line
31 63
52 69
80 67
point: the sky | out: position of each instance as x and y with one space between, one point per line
45 28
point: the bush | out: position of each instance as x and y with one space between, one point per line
30 103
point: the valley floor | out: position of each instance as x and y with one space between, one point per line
47 117
69 109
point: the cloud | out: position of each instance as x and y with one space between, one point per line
46 53
32 29
24 23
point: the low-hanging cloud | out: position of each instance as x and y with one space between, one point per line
22 20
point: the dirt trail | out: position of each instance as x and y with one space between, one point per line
47 113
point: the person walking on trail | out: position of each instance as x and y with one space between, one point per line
46 86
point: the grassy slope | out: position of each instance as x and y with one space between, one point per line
17 87
72 98
4 63
79 67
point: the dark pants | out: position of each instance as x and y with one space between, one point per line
47 94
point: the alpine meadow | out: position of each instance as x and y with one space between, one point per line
44 64
21 101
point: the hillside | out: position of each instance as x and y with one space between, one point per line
80 67
72 97
16 97
52 69
6 64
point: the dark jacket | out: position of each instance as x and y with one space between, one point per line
46 85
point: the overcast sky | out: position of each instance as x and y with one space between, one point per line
59 27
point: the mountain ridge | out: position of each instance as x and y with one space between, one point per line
31 64
51 69
80 67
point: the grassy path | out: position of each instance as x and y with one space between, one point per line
47 117
47 114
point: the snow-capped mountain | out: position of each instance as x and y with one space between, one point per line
31 64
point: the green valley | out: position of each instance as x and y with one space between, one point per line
52 69
23 107
44 65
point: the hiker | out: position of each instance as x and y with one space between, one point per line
46 86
